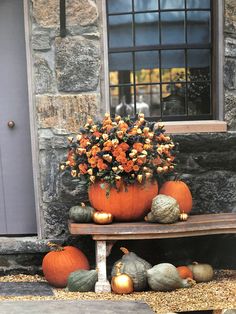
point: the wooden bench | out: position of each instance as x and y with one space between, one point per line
105 235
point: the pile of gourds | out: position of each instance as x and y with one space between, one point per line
139 275
69 267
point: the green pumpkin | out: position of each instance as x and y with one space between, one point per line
135 267
82 280
165 209
165 277
81 213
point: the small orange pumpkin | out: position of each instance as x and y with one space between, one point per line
57 265
128 203
180 191
185 272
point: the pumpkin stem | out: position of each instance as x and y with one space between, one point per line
118 267
82 204
56 246
124 250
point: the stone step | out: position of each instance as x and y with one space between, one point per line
74 307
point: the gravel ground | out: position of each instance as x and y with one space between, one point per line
220 293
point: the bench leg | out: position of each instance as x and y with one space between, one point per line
102 285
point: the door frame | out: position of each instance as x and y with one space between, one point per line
32 118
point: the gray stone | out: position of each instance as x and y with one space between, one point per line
41 40
206 142
75 307
213 191
25 288
77 64
230 47
230 16
230 110
43 76
230 74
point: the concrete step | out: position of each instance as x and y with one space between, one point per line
74 307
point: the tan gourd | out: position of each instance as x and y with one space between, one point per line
165 209
201 272
121 283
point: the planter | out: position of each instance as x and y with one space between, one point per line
129 203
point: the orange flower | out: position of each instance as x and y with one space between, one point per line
101 165
124 146
70 158
157 161
83 168
94 150
97 134
123 126
129 166
93 162
138 147
136 168
84 142
107 146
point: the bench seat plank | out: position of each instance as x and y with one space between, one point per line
196 225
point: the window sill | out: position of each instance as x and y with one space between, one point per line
195 126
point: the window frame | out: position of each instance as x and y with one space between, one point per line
217 67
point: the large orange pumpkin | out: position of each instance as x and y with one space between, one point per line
57 265
129 203
180 191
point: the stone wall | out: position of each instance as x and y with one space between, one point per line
67 91
230 64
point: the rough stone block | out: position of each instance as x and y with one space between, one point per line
67 112
77 64
230 74
78 12
43 76
230 16
230 110
46 12
230 47
41 40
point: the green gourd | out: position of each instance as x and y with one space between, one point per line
165 209
135 267
81 213
82 280
165 277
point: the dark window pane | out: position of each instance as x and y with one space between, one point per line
172 4
118 6
144 5
173 65
121 99
199 95
120 31
173 99
198 64
198 27
121 67
147 67
172 28
198 4
146 29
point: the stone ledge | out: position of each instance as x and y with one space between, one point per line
25 245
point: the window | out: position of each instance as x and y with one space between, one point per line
160 56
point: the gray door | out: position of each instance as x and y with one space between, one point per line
17 210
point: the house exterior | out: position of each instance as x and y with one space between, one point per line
53 79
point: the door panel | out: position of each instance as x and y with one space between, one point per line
17 209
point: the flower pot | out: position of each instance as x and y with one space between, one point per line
128 203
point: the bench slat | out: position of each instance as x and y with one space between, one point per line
196 225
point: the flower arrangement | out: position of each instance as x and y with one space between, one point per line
120 149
